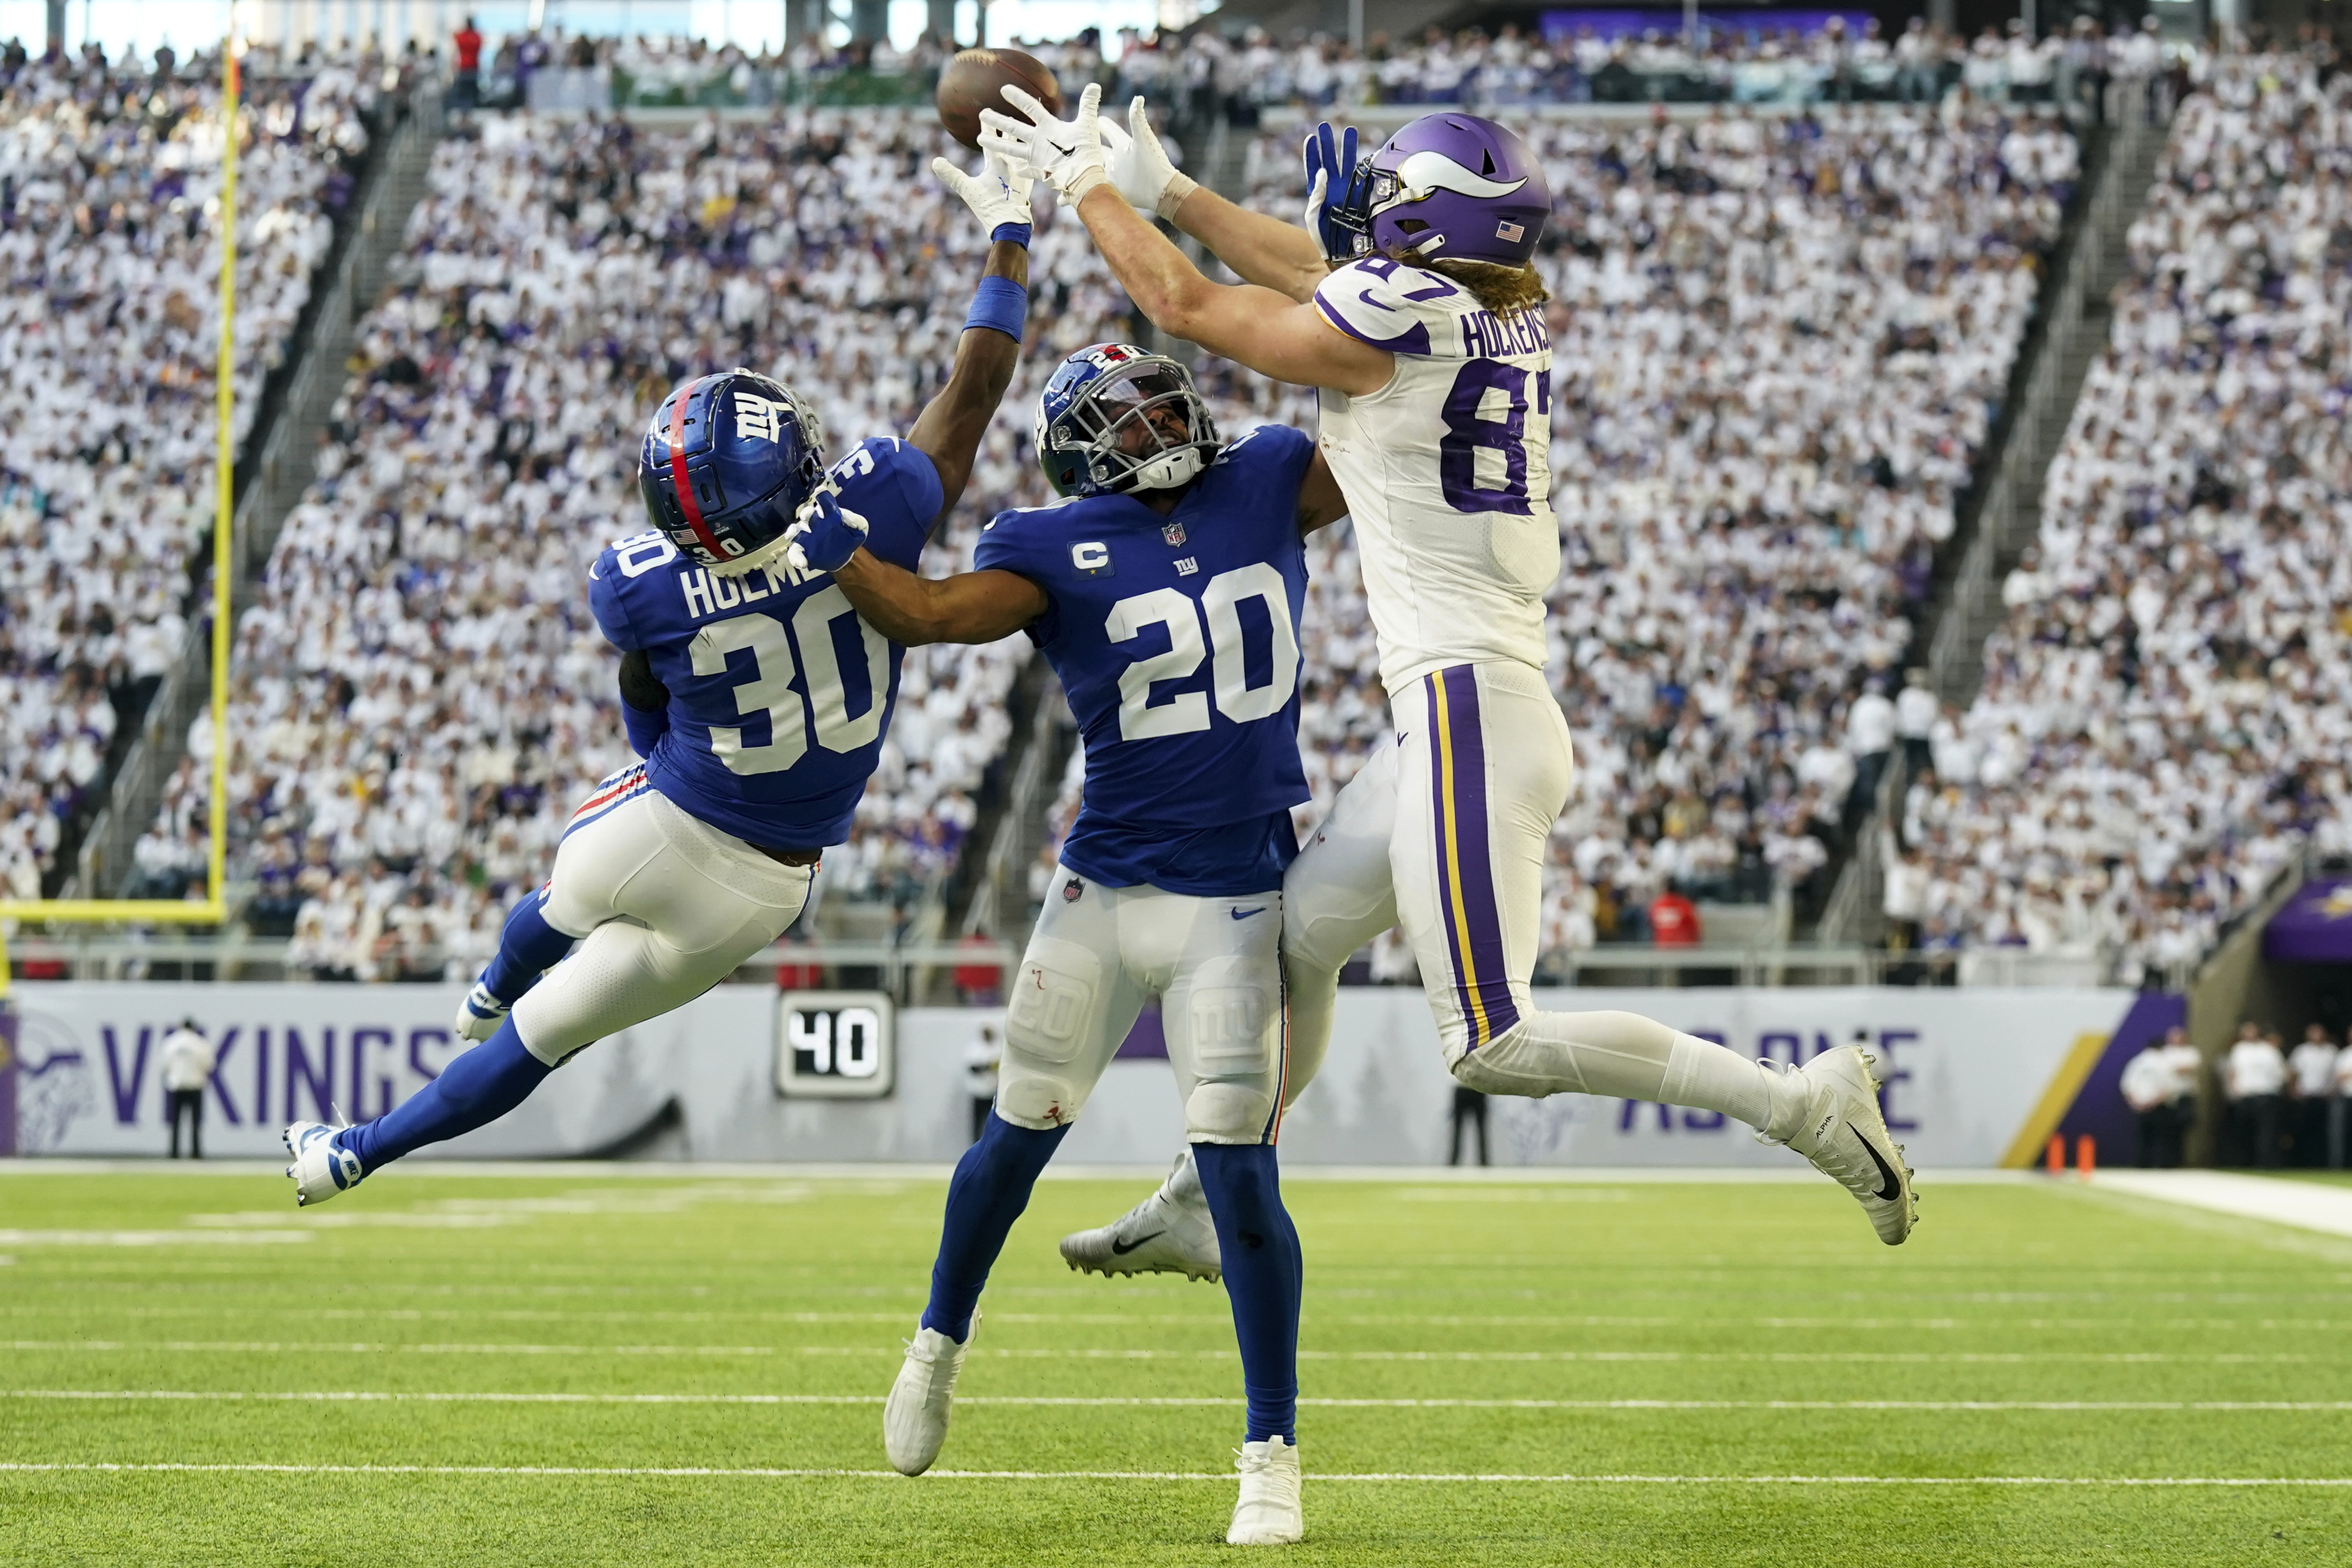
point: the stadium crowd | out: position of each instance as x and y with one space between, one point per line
109 185
2162 725
1779 345
421 697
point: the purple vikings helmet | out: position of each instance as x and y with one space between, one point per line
1448 185
725 465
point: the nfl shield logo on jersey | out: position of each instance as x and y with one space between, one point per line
1072 890
1174 532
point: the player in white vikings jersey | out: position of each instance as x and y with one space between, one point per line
1166 594
759 733
1409 299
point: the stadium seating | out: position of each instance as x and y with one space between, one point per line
1779 346
2162 724
109 185
421 697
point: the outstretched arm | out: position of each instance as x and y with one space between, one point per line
968 607
1260 249
1268 332
950 429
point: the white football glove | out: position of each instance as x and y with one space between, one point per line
1139 167
998 195
1068 154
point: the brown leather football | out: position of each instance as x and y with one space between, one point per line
976 79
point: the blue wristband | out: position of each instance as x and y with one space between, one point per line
1000 304
1018 233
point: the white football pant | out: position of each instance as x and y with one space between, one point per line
1444 832
1099 954
667 905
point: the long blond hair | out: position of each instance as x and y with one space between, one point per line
1502 289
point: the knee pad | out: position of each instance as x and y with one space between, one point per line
1053 1000
1228 1113
1227 1016
1047 1020
1499 1066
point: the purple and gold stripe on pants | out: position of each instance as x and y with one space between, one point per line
1466 877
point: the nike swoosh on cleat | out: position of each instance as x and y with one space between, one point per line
1244 914
1891 1187
1121 1248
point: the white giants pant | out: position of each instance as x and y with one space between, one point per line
1098 954
667 906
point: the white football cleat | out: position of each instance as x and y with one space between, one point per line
479 1014
1270 1512
1168 1233
1845 1137
320 1169
914 1416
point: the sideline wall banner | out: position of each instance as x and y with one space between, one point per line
1973 1076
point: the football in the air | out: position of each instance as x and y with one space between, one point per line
976 79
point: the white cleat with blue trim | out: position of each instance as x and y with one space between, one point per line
319 1169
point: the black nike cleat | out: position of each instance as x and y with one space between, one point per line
1845 1137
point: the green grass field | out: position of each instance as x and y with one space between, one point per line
1590 1374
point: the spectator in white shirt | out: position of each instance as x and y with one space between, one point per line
1915 712
2311 1079
980 1061
2153 1087
188 1063
2337 1109
1869 736
2253 1078
2188 1070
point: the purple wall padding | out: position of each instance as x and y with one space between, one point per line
2099 1109
7 1077
1148 1040
2313 927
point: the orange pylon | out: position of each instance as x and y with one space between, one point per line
2054 1157
2086 1157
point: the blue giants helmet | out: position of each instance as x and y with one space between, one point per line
726 463
1114 419
1448 185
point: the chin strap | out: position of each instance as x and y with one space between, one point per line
1168 469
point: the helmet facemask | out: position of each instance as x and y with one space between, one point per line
1142 427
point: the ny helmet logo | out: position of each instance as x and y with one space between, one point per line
760 418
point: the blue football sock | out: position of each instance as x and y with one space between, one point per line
990 1190
528 947
1264 1277
475 1089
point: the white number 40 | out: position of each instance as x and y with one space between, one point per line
1221 598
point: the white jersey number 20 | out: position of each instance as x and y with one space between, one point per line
1221 598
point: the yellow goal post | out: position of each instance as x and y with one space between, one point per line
213 909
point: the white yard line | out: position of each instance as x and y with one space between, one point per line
2306 1206
1384 1478
276 1347
2312 1407
560 1169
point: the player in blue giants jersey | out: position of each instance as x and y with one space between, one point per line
1167 597
756 695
